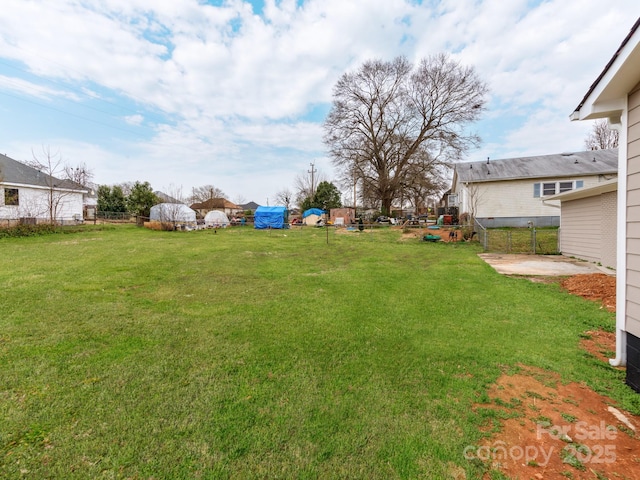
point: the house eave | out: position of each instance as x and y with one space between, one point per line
605 98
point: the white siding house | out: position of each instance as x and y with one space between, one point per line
27 193
615 95
510 192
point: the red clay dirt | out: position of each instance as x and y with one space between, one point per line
558 431
563 431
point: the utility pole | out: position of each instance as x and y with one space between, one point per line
312 172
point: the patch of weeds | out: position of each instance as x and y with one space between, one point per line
571 401
534 408
627 430
513 403
569 418
533 463
585 336
569 455
543 421
484 398
531 394
600 475
566 473
497 475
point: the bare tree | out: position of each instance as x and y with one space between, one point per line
601 137
304 187
284 197
204 193
387 116
80 174
423 180
474 199
52 166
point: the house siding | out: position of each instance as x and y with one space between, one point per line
633 214
34 203
514 198
609 228
581 228
588 228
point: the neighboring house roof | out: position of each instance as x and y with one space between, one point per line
249 206
17 173
214 203
166 198
612 83
591 162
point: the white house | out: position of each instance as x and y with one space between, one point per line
27 193
615 95
508 192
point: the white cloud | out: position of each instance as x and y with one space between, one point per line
227 89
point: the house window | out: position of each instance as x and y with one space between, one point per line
548 189
11 197
566 186
551 188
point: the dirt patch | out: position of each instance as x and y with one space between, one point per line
557 431
595 286
445 234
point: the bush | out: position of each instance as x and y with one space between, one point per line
28 230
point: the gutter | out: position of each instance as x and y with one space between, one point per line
620 359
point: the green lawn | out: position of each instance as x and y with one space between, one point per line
129 353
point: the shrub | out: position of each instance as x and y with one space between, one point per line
24 230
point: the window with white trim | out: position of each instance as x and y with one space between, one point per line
546 189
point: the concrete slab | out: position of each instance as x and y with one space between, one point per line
547 265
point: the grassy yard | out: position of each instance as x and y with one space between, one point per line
128 353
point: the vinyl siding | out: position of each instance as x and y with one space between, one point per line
588 228
514 198
633 214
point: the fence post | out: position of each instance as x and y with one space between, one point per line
533 240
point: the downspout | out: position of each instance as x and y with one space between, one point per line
619 124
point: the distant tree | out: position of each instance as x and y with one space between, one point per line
601 136
327 196
111 199
387 116
80 174
303 187
284 197
140 199
204 193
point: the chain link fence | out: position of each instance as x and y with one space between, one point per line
543 241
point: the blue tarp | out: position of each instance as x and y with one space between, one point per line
313 211
270 217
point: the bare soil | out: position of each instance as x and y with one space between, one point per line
558 431
563 431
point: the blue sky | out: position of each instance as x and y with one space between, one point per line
183 93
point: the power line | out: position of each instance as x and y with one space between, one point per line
73 114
